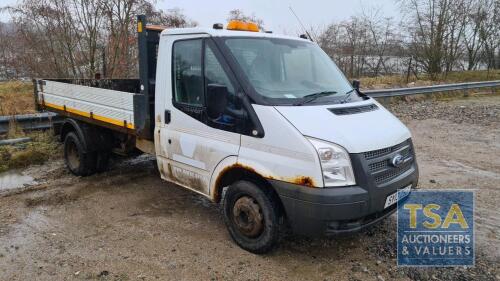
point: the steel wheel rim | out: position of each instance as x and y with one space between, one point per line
247 217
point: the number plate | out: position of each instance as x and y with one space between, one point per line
400 194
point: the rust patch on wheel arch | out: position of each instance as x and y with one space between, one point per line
300 180
216 193
305 181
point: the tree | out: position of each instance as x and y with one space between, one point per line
453 34
175 18
363 45
79 38
428 21
490 33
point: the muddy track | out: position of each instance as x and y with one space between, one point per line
127 224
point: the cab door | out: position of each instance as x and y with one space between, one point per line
194 142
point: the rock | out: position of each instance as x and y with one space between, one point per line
103 273
432 181
380 278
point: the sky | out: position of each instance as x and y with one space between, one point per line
276 14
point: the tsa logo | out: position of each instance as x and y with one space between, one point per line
436 228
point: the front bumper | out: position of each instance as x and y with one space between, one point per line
319 212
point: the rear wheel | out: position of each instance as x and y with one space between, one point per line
77 160
252 217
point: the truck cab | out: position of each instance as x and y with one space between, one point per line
268 126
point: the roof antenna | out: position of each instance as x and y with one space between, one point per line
300 22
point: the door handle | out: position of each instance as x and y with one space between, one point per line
168 117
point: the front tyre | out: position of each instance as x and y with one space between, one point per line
252 216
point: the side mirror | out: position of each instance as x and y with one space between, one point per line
216 100
356 84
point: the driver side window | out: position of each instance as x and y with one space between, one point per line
197 67
188 72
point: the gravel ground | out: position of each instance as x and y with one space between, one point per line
127 224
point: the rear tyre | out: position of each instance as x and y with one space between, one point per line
252 217
77 160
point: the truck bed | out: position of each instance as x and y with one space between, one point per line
107 102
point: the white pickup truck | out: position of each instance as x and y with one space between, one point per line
263 123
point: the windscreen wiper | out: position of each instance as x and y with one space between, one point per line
313 97
348 96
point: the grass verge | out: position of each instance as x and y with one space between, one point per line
42 148
16 98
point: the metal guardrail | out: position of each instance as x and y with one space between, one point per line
430 89
44 121
30 122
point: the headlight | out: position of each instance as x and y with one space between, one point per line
335 163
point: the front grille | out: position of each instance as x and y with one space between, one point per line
378 165
381 165
384 151
393 173
353 110
379 162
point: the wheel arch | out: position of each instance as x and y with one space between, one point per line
234 171
71 125
93 138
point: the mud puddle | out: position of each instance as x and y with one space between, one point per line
14 180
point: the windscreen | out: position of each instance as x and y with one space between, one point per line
288 69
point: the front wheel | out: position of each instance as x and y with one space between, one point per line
252 216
